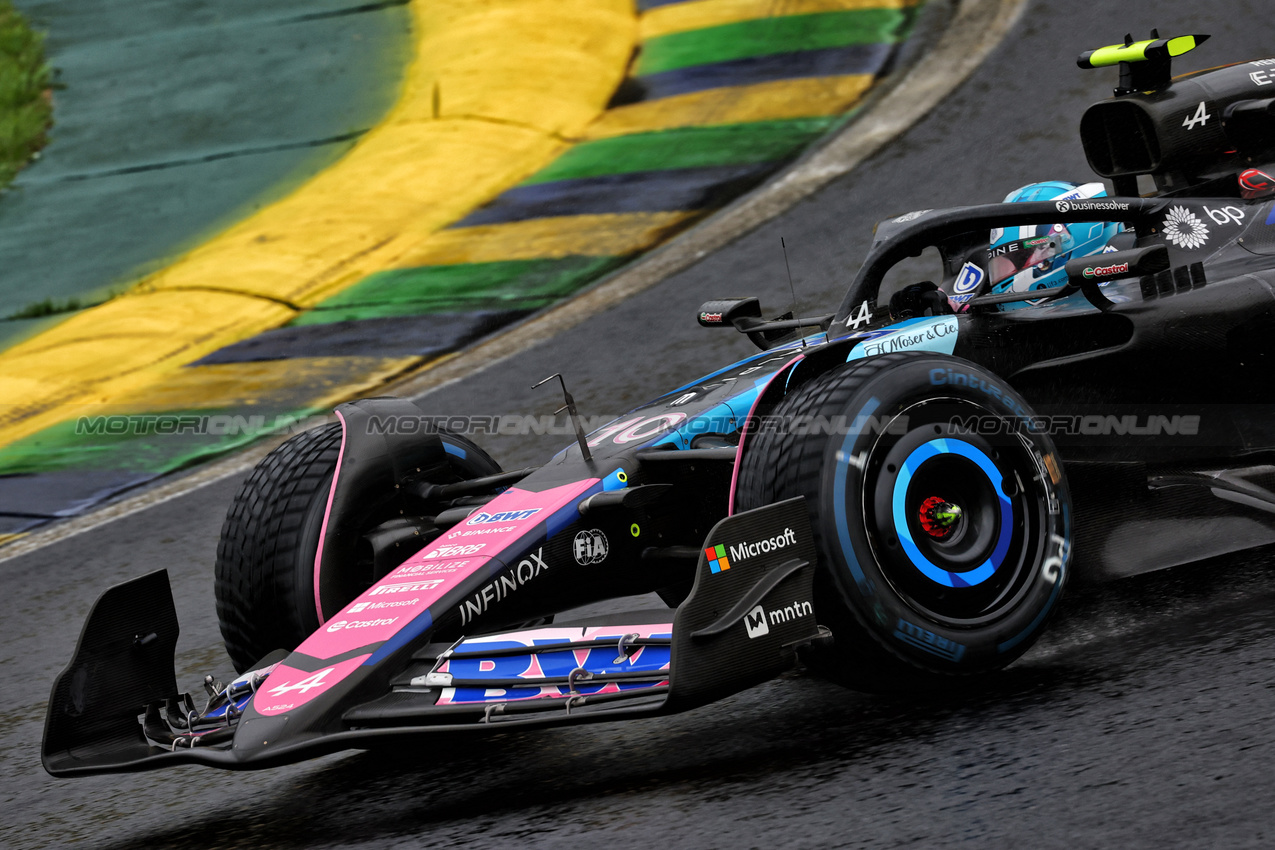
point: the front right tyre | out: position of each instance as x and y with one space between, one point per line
940 515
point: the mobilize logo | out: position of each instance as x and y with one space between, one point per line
496 590
758 621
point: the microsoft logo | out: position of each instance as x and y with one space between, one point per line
717 562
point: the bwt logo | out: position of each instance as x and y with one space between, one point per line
758 621
482 518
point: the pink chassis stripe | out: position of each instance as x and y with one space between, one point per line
424 578
743 435
318 554
411 588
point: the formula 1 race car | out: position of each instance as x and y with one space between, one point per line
897 491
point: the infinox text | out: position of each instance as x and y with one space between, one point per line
503 585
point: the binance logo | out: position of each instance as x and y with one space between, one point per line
717 561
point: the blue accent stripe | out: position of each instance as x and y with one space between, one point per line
839 500
823 62
405 635
617 480
453 450
716 420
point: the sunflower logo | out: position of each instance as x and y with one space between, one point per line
1183 229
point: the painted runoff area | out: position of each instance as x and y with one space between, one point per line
525 158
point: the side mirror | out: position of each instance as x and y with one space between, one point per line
1089 273
724 313
1100 268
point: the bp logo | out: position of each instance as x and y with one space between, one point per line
590 547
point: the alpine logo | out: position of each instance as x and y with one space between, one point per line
482 517
751 550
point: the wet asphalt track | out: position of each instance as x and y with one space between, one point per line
1142 720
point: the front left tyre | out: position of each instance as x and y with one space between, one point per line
266 575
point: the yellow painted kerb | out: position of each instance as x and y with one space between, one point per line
495 91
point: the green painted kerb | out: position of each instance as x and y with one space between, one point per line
687 147
768 36
468 287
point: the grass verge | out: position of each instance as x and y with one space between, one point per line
26 108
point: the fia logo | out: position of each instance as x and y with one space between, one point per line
755 622
590 547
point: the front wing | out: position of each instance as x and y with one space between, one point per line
116 706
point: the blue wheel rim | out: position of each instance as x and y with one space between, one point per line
948 578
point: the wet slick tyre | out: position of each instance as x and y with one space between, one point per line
265 572
941 520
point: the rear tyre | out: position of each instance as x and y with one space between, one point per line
941 521
265 558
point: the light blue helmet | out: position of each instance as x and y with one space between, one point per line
1023 259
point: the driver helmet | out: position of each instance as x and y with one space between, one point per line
1023 259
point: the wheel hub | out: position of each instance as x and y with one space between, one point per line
939 518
